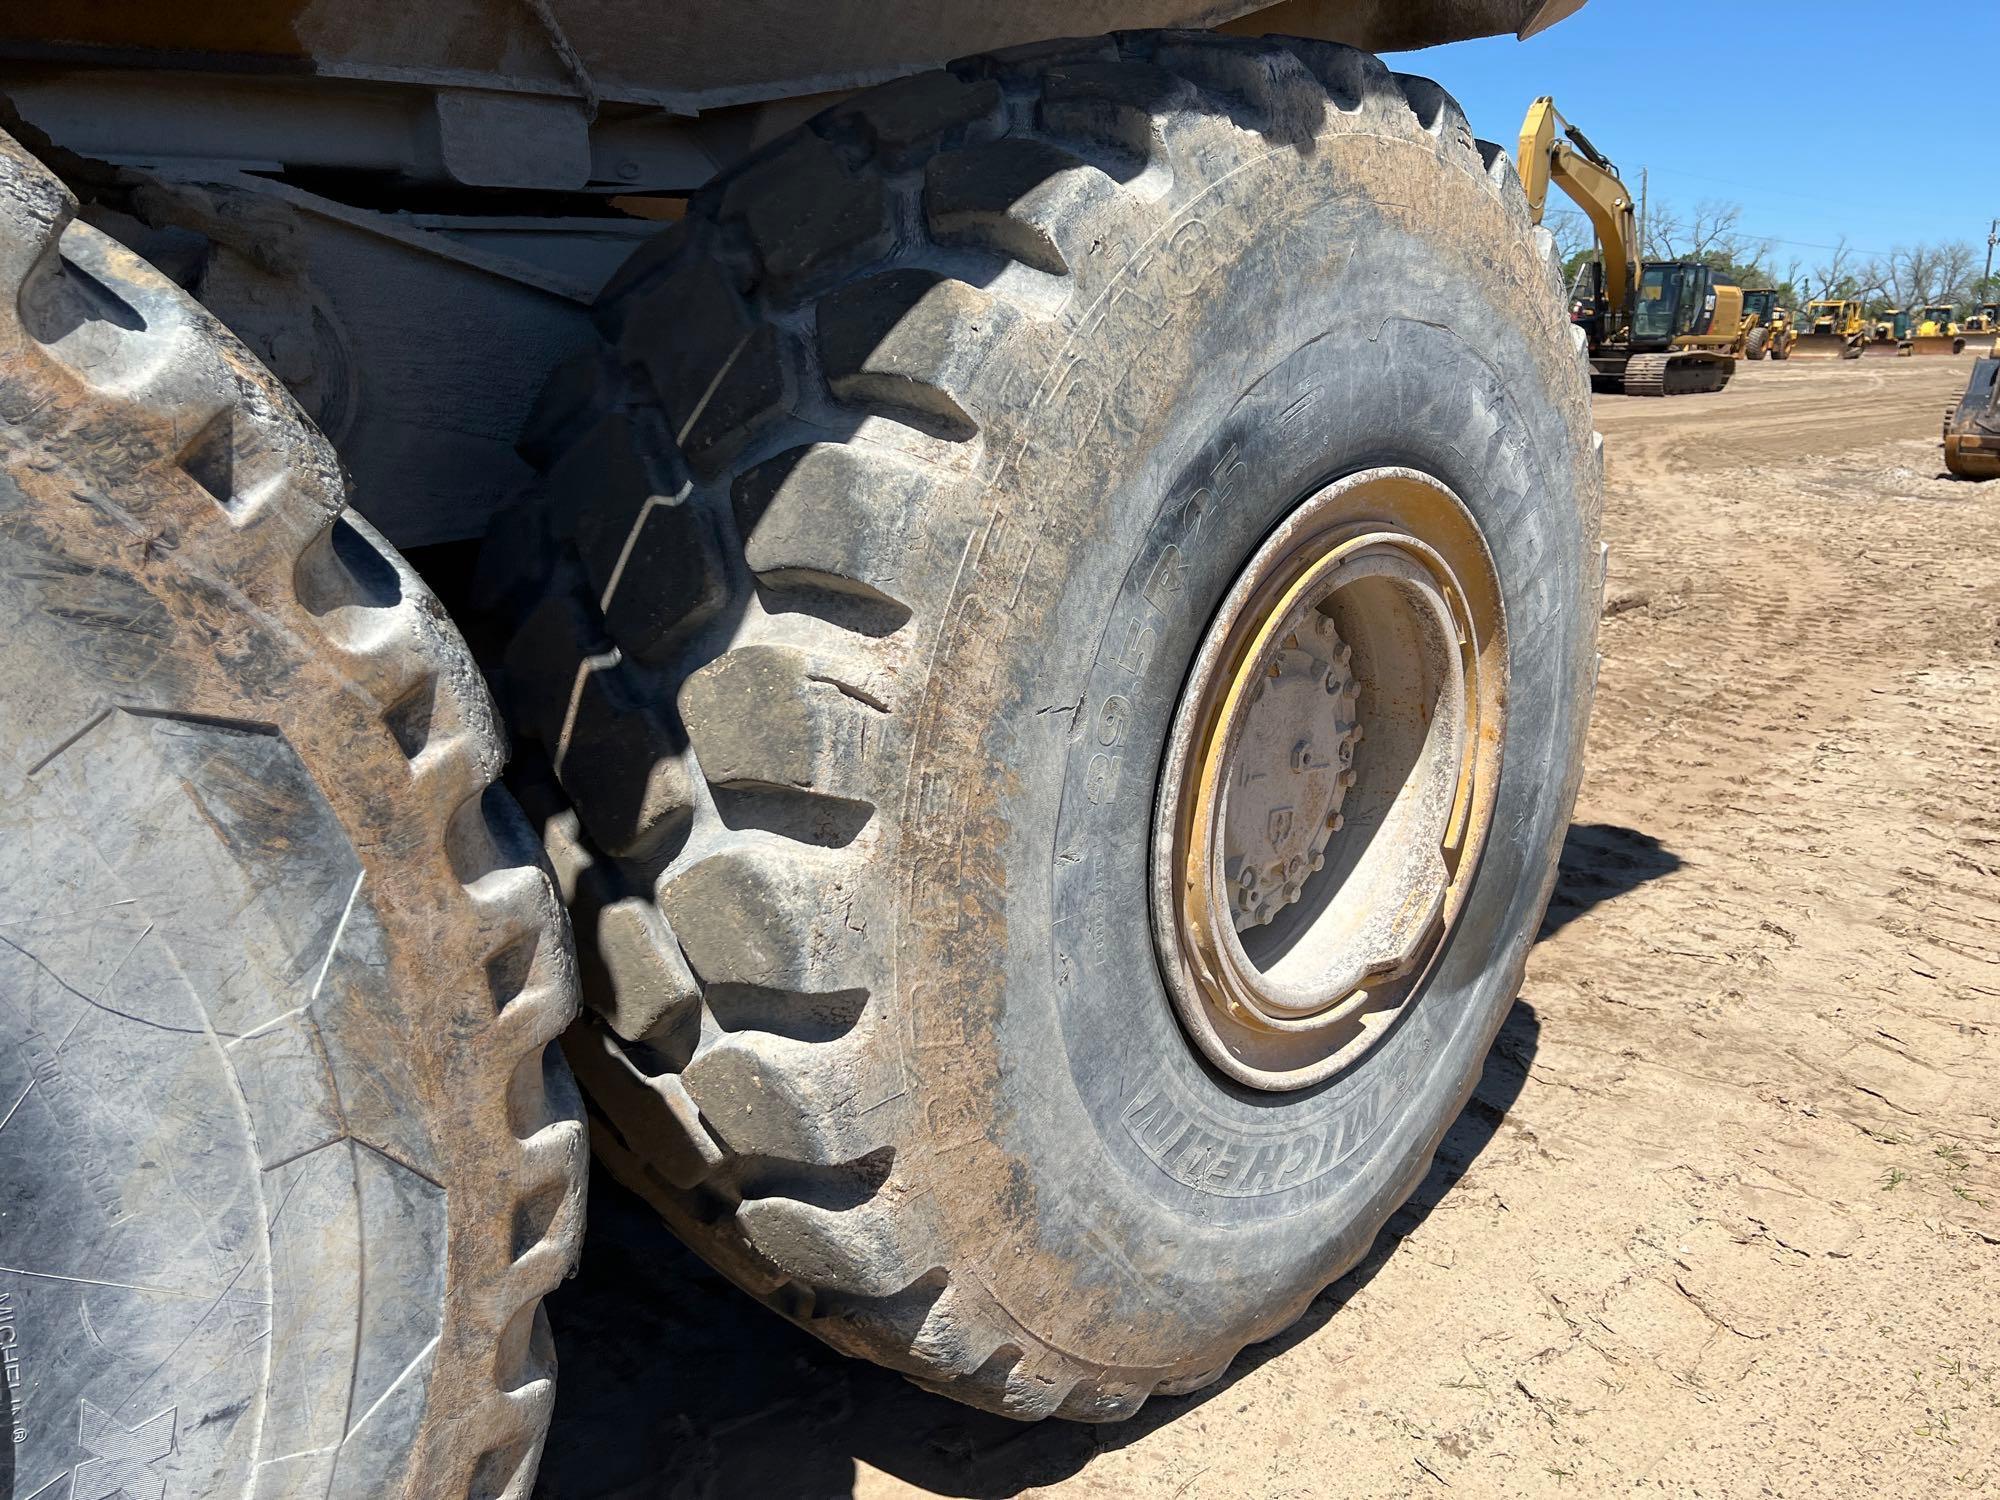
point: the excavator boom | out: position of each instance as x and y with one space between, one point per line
1586 174
1680 353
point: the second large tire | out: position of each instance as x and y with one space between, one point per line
288 1158
852 616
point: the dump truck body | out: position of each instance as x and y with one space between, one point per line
317 169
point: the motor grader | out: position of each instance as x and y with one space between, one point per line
1014 613
1661 328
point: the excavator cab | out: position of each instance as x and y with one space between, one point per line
1676 299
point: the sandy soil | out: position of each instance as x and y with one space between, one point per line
1724 1216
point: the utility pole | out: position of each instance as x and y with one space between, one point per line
1992 239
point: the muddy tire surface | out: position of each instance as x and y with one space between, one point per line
853 610
1757 343
289 1156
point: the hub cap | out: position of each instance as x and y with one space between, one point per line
1328 782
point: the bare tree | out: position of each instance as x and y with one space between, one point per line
1913 273
1572 231
1833 279
1713 232
1664 230
1791 283
1927 275
1957 272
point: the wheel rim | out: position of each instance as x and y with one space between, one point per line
1328 782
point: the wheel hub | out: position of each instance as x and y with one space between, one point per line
1292 770
1328 781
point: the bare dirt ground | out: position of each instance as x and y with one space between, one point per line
1724 1216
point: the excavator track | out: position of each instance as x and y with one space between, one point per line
1681 373
1972 428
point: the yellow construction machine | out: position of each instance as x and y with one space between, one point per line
1981 329
1834 330
1938 333
1888 335
1972 427
1767 327
1655 328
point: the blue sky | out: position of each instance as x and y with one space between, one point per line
1717 101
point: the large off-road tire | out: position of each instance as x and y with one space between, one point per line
854 612
1758 341
288 1155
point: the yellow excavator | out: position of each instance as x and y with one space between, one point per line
1938 333
1981 329
1888 335
1657 328
1767 327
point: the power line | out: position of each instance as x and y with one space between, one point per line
1772 239
1764 191
1744 187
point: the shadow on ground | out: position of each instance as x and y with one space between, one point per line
674 1384
1601 861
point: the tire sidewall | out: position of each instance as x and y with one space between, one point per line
1293 322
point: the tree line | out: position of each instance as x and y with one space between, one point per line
1910 276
